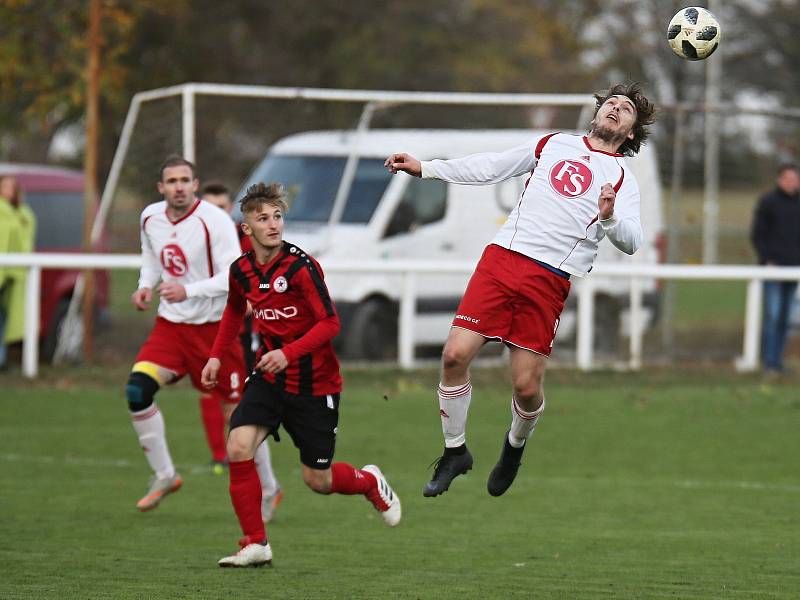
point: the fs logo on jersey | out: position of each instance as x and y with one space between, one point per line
174 260
571 178
280 284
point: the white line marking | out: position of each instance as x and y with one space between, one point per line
76 461
122 463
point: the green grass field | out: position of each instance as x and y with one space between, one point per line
658 485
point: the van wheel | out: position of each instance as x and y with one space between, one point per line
607 324
372 334
50 341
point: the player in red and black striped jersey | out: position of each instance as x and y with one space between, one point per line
293 313
296 381
215 422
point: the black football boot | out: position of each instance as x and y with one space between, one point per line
504 472
451 464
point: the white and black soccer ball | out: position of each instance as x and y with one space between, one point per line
693 33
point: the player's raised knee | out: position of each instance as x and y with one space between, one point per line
528 396
528 384
455 356
239 449
140 391
317 480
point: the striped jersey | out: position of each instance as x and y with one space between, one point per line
556 218
292 311
195 251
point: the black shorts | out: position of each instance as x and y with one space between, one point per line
310 420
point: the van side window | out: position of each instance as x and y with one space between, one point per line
424 201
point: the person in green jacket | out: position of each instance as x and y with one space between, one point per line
7 223
17 234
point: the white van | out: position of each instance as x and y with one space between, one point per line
401 217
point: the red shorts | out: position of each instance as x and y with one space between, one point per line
512 298
184 348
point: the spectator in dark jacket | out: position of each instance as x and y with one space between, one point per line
776 237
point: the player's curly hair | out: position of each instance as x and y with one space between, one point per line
645 113
264 193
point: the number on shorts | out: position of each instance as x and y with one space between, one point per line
555 328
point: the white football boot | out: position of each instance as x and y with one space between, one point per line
269 502
383 497
252 555
159 488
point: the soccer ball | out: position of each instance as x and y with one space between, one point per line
693 33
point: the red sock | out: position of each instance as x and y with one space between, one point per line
245 491
214 424
346 479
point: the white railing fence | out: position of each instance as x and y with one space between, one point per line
635 274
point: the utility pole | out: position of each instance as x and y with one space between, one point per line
90 163
711 167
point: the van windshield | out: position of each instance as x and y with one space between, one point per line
312 181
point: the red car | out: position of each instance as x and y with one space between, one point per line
56 197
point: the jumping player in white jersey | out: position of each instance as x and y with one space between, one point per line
187 245
579 191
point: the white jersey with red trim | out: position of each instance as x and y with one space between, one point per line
195 251
556 219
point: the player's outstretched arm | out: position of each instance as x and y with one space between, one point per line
141 298
403 162
208 378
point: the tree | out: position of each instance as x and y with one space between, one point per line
42 64
459 45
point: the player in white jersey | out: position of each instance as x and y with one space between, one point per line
578 192
187 245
